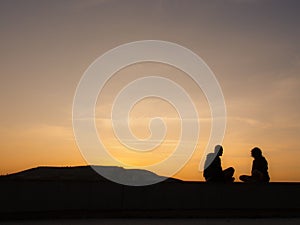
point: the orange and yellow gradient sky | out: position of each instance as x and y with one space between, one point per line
252 47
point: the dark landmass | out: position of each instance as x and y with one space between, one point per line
79 192
82 173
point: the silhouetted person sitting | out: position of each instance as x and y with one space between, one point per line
213 170
259 172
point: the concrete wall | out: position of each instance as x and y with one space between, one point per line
42 196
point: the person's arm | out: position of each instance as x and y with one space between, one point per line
218 164
254 166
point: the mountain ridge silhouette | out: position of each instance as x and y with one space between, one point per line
82 173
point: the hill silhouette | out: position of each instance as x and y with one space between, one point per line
82 173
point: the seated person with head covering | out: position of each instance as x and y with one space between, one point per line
213 171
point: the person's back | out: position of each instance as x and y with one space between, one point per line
213 168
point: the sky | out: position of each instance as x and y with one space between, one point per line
251 46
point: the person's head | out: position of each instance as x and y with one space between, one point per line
256 152
219 150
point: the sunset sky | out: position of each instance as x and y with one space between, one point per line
252 46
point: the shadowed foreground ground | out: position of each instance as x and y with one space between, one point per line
124 221
36 197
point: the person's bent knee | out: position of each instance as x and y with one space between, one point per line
231 169
243 177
